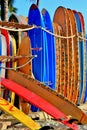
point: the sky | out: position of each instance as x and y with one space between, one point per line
52 5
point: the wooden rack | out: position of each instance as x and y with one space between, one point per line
14 25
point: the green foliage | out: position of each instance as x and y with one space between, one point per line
11 7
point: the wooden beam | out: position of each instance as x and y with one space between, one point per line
14 25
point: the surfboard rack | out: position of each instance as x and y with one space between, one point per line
14 25
37 49
14 58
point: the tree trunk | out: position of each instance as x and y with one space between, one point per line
4 10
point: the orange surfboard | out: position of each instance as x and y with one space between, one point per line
25 49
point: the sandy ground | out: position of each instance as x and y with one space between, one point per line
7 122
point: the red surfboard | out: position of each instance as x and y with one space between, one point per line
6 34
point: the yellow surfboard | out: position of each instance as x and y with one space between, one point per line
19 115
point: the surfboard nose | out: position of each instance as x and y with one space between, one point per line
33 6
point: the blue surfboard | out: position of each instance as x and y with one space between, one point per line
84 55
81 54
10 49
51 49
38 40
85 98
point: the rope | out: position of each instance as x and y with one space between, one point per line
12 58
82 38
34 26
56 34
34 56
17 30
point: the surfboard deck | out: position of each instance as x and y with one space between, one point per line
6 34
14 50
56 19
69 55
38 40
81 56
57 31
85 97
23 20
61 17
3 51
64 21
70 59
51 57
25 49
37 101
17 35
49 95
0 51
84 56
19 115
75 67
14 65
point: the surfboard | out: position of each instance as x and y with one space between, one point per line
19 115
17 35
3 51
0 53
61 17
85 97
5 33
75 60
10 39
57 31
81 56
14 64
38 39
84 45
36 100
57 100
14 49
69 52
55 19
25 49
22 20
51 49
70 58
10 64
